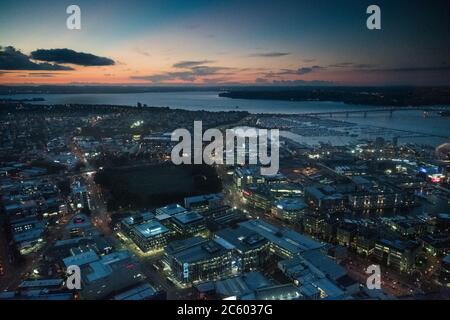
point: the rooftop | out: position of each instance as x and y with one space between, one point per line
41 283
291 204
287 239
199 252
141 292
29 235
81 259
324 264
240 238
242 285
171 209
151 229
202 198
187 217
180 245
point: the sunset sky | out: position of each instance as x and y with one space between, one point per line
225 42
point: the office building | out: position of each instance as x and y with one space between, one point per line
398 254
197 260
291 209
250 249
283 242
188 223
203 202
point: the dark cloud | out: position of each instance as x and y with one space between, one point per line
44 74
302 83
306 70
12 59
366 67
261 80
206 70
273 54
308 60
70 56
190 64
38 75
191 75
193 71
442 68
341 65
184 76
300 71
352 65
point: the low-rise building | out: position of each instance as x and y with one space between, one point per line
150 235
284 242
103 277
397 254
188 223
203 202
291 209
250 249
197 259
325 199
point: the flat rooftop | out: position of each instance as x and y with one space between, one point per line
291 204
139 217
151 229
142 292
202 251
171 209
187 217
287 239
242 285
41 283
325 264
81 259
29 235
241 238
180 245
202 198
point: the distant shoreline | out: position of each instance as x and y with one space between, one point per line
22 100
369 96
394 97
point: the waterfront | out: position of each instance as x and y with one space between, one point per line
432 129
195 100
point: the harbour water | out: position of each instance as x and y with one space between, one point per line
432 129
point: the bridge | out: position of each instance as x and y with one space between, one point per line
389 110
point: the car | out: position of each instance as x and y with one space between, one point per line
78 220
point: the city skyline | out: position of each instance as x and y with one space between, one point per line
213 43
205 150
